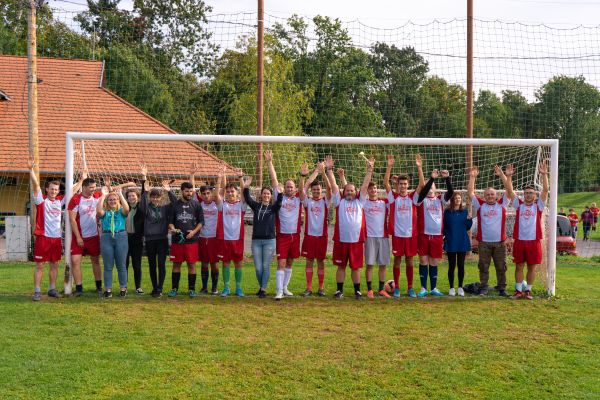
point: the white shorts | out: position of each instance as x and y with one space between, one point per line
377 251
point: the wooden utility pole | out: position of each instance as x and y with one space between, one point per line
260 90
32 99
469 81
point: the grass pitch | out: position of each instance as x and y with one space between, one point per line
445 348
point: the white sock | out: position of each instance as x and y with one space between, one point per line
519 286
287 277
279 275
529 287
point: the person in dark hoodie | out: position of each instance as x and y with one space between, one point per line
263 232
134 225
156 222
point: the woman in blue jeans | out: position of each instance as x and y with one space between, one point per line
112 210
263 232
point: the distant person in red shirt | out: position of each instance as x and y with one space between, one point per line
595 211
573 219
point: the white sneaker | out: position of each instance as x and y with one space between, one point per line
461 292
452 292
279 295
286 292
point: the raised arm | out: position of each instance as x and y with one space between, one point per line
449 188
388 173
419 163
124 203
342 175
144 173
100 204
473 172
193 171
368 177
166 185
319 169
245 185
272 173
244 182
427 187
35 184
506 178
543 168
77 185
329 169
303 176
220 184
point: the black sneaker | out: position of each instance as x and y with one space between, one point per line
99 292
483 291
502 293
262 294
139 291
306 293
157 294
321 293
54 293
338 295
259 291
214 292
108 294
204 291
123 293
78 293
358 295
37 296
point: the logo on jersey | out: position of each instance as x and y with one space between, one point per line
351 209
316 210
185 217
490 213
376 209
289 205
528 213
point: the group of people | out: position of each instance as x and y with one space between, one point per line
589 219
207 226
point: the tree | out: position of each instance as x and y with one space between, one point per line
491 112
442 109
518 114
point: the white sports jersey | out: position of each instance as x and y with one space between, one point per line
288 217
211 215
491 219
231 223
376 212
316 216
528 221
48 215
431 215
86 213
350 220
403 214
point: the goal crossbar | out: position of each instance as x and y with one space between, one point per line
551 143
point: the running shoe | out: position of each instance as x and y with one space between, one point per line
338 294
122 293
518 295
461 292
397 292
451 292
502 293
528 295
370 294
411 293
483 291
321 293
436 292
172 293
214 292
225 292
383 293
286 292
108 294
37 296
262 294
306 293
204 290
279 295
192 294
78 293
423 293
54 293
358 295
239 292
139 291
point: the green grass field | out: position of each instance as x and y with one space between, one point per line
445 348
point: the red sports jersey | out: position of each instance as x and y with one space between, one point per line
403 215
528 219
289 215
316 216
491 219
350 226
48 216
230 225
86 213
430 217
376 215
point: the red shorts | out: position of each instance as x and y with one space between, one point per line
314 247
348 252
527 251
288 246
404 246
187 252
431 245
47 249
231 250
208 249
91 246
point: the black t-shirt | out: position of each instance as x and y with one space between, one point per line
185 217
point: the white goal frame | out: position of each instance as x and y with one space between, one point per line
552 143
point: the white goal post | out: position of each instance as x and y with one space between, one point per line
552 144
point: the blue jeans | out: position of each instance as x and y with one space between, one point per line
114 252
262 251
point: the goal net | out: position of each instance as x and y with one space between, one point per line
117 157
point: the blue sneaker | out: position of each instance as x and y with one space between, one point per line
423 293
411 293
225 292
193 294
239 292
396 293
172 293
436 292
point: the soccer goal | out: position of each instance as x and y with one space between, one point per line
118 156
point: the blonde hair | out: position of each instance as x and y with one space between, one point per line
105 205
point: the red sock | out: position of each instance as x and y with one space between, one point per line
309 277
409 276
321 276
397 276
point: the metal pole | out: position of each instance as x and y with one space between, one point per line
32 100
69 175
469 133
260 95
551 239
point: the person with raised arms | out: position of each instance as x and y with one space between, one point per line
430 223
350 228
288 226
457 223
230 231
527 248
314 245
134 225
491 227
402 224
